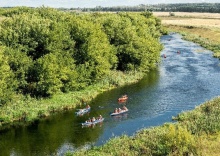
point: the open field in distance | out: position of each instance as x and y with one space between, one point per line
205 25
202 28
189 14
207 20
193 22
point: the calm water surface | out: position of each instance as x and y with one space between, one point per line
182 81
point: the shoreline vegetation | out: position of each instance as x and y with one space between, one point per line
195 132
26 110
201 28
96 52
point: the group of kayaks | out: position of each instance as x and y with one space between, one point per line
100 119
89 122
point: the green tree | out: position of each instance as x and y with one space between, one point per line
19 63
93 52
52 51
55 73
7 83
135 38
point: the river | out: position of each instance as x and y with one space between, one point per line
187 77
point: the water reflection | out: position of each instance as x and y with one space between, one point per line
93 125
120 117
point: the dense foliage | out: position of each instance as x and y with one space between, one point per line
45 51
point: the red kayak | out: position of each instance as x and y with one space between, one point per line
123 98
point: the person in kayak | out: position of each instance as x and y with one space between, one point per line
90 120
93 119
125 96
124 108
100 117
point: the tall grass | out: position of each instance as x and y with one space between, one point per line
207 38
169 139
204 119
201 28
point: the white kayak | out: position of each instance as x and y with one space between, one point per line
93 123
83 111
118 113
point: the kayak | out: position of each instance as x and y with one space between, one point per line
118 113
93 123
83 111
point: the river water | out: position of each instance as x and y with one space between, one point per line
182 81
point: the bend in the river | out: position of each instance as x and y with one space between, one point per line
187 77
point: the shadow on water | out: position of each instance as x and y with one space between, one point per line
48 136
183 80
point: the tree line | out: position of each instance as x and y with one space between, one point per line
44 51
175 7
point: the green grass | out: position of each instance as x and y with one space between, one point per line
207 38
199 30
204 119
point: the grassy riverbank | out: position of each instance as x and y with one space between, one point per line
26 109
196 132
201 28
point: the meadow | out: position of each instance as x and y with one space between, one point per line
201 28
189 15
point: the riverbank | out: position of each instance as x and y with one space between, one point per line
202 36
25 110
201 28
196 132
